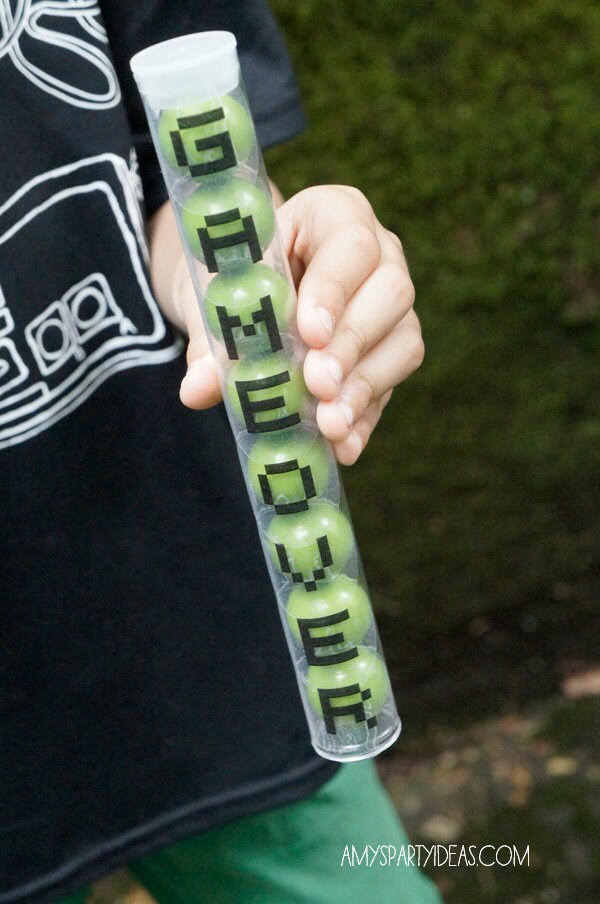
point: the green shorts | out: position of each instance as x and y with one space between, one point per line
309 852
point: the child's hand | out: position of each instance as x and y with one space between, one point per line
355 310
355 314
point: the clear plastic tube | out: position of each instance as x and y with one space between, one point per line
203 131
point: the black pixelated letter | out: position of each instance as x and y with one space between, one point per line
285 467
318 573
311 644
331 712
250 409
265 314
221 140
247 235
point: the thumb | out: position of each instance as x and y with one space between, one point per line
200 387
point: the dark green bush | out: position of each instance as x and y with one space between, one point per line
474 128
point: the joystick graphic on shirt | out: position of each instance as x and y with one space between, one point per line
70 26
77 330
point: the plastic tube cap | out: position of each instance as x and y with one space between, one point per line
183 69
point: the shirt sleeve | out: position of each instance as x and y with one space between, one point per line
266 67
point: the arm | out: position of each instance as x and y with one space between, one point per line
355 310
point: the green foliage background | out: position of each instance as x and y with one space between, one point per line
474 129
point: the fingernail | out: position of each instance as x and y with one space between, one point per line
334 367
356 442
326 319
196 363
196 367
347 412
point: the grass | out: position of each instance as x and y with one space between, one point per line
528 783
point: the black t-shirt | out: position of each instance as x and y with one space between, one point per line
146 691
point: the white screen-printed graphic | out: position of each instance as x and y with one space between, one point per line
60 46
83 327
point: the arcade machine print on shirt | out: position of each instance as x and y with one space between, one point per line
79 311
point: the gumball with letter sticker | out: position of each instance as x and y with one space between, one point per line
311 546
206 137
228 223
267 393
331 599
289 468
365 678
249 309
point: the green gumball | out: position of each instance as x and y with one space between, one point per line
310 546
288 468
263 301
206 137
236 220
331 598
368 671
267 393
